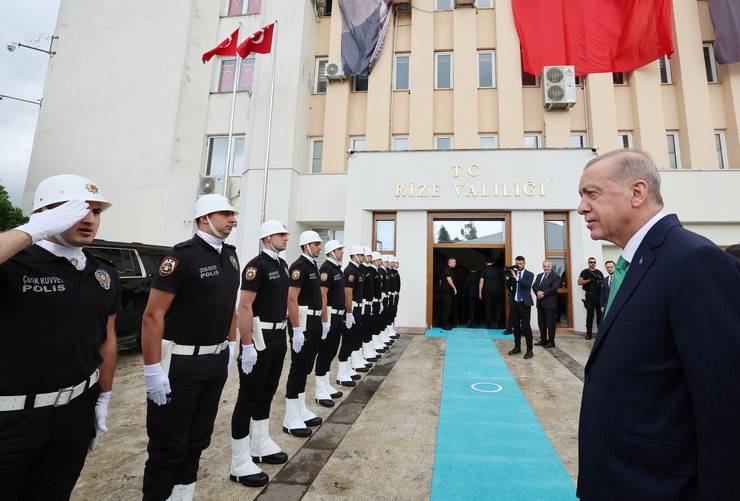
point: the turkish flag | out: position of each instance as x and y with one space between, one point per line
595 36
260 42
225 48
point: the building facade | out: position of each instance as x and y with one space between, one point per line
445 149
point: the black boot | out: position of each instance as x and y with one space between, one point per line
515 351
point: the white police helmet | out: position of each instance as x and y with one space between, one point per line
376 255
272 227
332 245
368 252
208 204
66 187
357 249
308 237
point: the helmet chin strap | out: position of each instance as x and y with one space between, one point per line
216 233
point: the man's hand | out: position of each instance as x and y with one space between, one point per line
157 384
50 222
325 327
232 352
349 321
454 290
298 339
540 294
381 308
249 358
101 415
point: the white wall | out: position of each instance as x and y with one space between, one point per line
411 232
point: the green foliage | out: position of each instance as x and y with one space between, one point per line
443 236
10 216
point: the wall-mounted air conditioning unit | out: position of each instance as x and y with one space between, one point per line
402 6
334 72
211 184
559 87
464 3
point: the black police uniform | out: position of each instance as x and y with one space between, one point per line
369 292
205 284
54 322
332 278
493 295
268 278
376 319
447 298
392 279
386 298
353 277
593 298
304 274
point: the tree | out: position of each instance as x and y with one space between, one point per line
10 216
444 235
469 231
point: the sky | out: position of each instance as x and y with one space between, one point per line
22 75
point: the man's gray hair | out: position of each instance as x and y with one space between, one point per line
631 165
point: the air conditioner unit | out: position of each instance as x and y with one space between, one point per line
211 184
559 87
402 6
464 3
334 72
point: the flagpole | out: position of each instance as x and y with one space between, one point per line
230 146
269 121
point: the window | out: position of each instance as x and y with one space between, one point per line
400 143
401 72
442 142
664 67
579 80
216 156
484 4
710 63
317 151
359 83
529 80
384 232
240 7
486 69
454 231
325 9
123 259
443 4
531 141
319 86
674 157
489 142
357 143
557 251
620 78
226 75
624 139
578 140
443 70
719 141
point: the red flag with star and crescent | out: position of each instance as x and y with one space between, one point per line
226 48
260 42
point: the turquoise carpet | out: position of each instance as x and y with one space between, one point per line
489 442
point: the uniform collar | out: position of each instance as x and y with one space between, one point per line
274 255
214 242
69 253
332 260
308 258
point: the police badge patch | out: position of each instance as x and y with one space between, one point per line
351 278
296 274
250 273
168 266
234 262
103 278
324 277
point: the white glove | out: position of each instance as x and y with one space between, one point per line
157 384
232 352
298 339
325 327
50 222
249 358
349 321
381 308
101 414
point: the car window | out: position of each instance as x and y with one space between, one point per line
151 259
124 260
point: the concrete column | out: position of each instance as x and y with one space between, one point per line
647 101
602 112
411 250
509 80
465 93
695 107
337 103
731 84
557 129
421 110
379 90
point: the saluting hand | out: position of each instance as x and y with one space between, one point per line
298 339
50 222
249 358
325 328
349 321
157 384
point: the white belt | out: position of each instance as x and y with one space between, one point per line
314 313
212 349
57 398
394 293
334 311
358 304
273 326
375 300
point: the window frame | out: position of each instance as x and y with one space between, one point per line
712 61
395 71
628 135
722 154
245 9
625 78
208 149
437 137
436 70
437 9
400 136
354 83
676 148
492 52
668 71
488 136
216 84
385 216
352 140
537 136
492 6
584 139
311 158
317 76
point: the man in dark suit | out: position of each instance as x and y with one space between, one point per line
661 399
607 285
519 281
491 292
471 295
447 292
546 289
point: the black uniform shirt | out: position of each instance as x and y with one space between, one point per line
445 286
332 279
369 284
53 320
205 284
493 281
595 276
391 279
377 283
305 275
385 280
353 277
268 278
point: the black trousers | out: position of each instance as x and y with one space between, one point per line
301 363
42 451
520 318
546 323
181 430
493 306
447 316
328 347
350 337
472 310
257 389
375 320
592 306
366 327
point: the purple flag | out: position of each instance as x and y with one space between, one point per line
726 19
364 24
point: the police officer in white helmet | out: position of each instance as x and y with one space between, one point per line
188 341
58 307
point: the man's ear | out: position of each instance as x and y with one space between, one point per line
640 193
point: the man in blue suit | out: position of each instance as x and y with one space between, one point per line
606 285
660 413
546 289
519 282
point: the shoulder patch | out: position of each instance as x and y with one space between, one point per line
234 262
103 278
351 278
168 265
250 273
324 277
296 274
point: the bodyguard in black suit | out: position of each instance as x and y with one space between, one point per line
447 293
546 289
519 283
491 292
607 285
661 399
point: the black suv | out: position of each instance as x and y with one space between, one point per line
136 263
